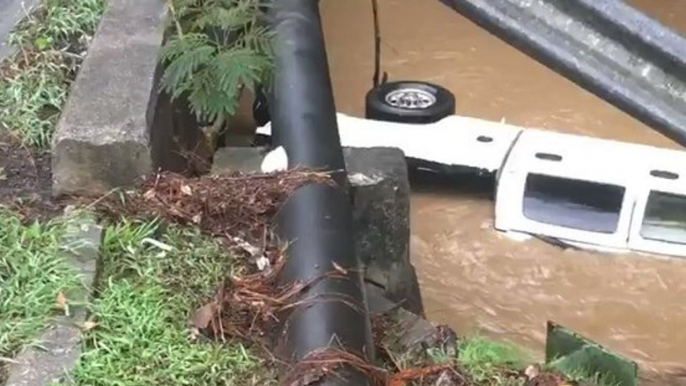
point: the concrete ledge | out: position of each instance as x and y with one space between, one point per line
103 137
381 213
60 345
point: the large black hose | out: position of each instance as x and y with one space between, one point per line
317 218
302 106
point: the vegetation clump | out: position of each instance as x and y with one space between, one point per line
217 49
50 43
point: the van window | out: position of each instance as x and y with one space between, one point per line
665 218
577 204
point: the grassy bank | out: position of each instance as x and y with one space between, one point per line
487 362
444 359
146 296
149 287
51 43
32 275
495 363
163 291
152 283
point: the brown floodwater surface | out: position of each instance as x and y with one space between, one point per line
473 278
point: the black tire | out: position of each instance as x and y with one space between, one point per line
379 107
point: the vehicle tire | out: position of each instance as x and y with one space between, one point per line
409 102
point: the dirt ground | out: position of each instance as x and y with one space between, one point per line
25 178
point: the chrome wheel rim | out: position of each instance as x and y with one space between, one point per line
410 99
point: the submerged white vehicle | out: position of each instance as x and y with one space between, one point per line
587 192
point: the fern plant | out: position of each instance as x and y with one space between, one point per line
217 48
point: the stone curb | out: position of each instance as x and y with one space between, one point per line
60 343
103 139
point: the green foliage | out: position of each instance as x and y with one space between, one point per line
484 360
218 48
34 83
58 24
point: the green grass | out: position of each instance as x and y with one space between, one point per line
34 83
145 297
32 274
585 378
577 372
484 360
488 362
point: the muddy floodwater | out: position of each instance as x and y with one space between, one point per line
473 278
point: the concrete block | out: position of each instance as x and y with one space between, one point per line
48 365
103 137
82 239
381 212
60 343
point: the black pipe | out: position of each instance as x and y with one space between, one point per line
317 218
303 110
606 46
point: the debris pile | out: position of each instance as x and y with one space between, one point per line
244 307
412 366
434 359
227 205
322 363
239 209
